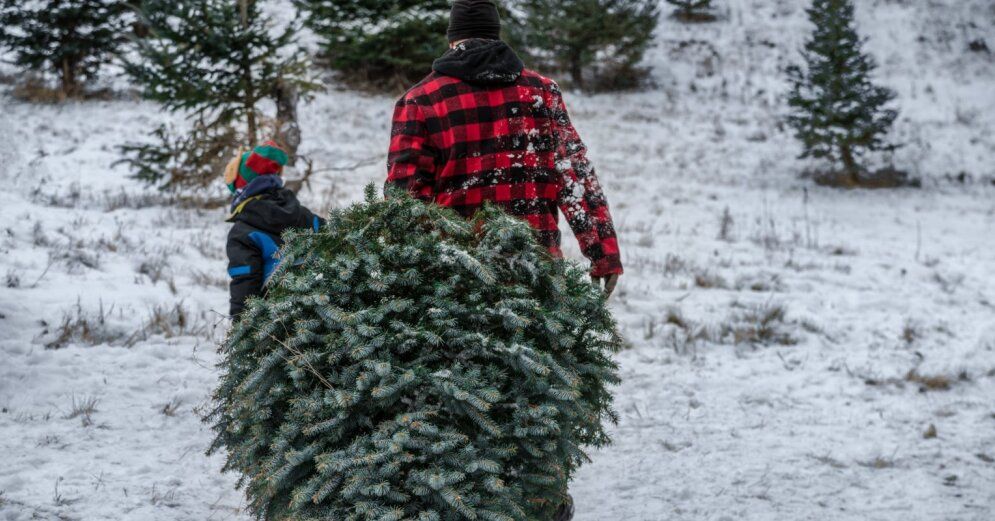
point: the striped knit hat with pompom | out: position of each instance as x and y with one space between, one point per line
265 159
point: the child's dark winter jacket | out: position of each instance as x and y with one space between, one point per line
255 239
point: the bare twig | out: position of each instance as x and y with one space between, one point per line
51 261
310 368
355 166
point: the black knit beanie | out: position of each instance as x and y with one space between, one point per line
474 19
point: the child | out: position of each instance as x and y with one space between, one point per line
261 210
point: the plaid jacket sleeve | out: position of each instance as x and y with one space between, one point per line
411 161
581 199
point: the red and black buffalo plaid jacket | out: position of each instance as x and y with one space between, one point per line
482 128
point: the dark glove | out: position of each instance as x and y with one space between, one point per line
606 283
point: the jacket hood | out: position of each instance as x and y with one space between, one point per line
484 62
273 212
263 183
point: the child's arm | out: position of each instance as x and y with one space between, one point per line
309 220
245 266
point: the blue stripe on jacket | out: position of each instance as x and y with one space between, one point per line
269 250
238 271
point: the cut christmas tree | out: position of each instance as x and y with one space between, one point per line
410 364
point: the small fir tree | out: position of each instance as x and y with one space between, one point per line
384 43
598 40
409 364
216 59
68 38
838 114
693 10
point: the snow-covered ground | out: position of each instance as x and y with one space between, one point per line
831 355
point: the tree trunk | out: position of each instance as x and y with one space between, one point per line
850 167
288 131
250 107
68 77
249 97
576 69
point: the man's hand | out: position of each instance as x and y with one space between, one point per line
606 283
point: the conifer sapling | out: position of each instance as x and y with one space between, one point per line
68 38
410 364
838 113
215 59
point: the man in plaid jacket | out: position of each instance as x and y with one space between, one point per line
481 127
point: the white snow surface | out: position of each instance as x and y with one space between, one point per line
714 424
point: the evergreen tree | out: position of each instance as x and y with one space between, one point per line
174 160
837 112
693 10
601 40
69 38
216 59
409 364
383 42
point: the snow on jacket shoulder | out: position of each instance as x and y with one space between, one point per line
483 128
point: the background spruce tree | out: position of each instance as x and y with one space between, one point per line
838 113
693 10
599 43
215 60
410 364
70 39
385 43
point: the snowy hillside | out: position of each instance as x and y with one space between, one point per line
795 352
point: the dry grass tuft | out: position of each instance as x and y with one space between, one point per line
879 462
83 408
883 178
707 280
170 409
34 89
175 321
80 327
911 332
761 324
937 382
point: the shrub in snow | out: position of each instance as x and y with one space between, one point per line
599 43
409 364
386 44
68 38
838 114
